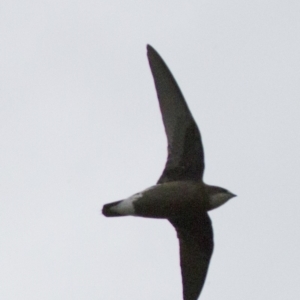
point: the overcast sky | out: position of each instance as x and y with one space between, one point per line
80 126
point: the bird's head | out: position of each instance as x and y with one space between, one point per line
217 196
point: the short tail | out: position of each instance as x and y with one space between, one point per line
107 212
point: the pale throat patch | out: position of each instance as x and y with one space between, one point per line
218 199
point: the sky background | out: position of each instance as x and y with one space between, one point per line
80 126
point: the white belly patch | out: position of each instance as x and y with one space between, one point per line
126 207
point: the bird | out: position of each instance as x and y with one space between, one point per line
180 195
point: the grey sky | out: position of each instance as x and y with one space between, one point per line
80 126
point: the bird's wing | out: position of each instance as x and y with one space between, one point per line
185 152
195 236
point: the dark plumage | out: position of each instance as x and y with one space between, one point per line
180 194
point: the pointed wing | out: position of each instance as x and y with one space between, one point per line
185 152
196 246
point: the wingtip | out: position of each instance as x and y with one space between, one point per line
150 50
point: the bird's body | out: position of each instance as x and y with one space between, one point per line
148 203
180 195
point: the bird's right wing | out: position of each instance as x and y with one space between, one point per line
195 236
185 151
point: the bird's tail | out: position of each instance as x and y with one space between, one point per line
107 212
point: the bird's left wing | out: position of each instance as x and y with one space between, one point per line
195 236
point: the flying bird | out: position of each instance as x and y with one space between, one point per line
180 194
